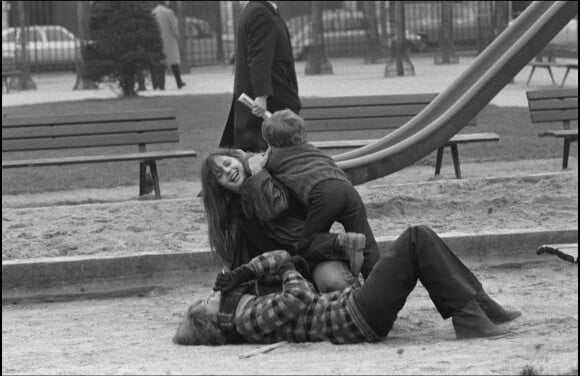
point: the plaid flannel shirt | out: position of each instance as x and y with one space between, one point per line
298 313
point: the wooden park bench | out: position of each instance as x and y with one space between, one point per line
381 112
106 130
559 105
9 71
548 65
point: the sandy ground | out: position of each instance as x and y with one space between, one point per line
132 335
505 202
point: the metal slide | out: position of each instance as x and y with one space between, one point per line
462 100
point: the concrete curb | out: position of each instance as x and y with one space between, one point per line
64 278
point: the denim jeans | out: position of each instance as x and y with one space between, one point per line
418 254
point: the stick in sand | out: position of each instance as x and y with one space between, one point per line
261 350
245 99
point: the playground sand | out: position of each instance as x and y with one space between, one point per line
132 335
476 204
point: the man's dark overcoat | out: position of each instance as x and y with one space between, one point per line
264 67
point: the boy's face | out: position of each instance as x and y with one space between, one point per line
229 172
211 305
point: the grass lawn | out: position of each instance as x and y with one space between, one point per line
201 120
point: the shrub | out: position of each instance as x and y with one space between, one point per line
124 41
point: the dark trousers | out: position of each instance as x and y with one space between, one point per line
418 254
158 76
177 75
336 200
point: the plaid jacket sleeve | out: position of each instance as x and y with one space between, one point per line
274 311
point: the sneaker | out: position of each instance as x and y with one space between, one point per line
353 244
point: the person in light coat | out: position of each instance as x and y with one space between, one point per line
170 38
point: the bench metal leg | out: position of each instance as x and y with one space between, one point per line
439 160
155 176
530 76
142 176
565 76
566 154
552 76
455 155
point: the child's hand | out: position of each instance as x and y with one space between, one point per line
257 162
240 154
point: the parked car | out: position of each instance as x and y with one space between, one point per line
201 43
46 45
344 33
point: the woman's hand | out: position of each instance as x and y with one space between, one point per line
257 162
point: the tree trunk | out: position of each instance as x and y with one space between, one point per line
24 81
374 50
399 64
317 62
446 54
81 82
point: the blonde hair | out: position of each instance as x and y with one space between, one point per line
198 328
284 128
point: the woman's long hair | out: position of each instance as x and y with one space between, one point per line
223 210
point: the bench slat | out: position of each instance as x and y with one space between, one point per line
89 129
155 155
90 141
23 121
550 116
370 100
555 93
394 122
554 103
457 139
356 124
563 133
331 113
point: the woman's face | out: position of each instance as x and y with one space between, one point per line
229 172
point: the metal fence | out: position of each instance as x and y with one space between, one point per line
53 28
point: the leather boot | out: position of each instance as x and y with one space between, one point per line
353 244
496 313
471 322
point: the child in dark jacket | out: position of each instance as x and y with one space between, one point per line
317 182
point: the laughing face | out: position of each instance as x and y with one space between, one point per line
229 172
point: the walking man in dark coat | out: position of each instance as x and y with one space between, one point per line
264 70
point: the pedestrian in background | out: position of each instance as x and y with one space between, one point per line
170 39
264 70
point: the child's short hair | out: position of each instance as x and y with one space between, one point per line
198 328
284 128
